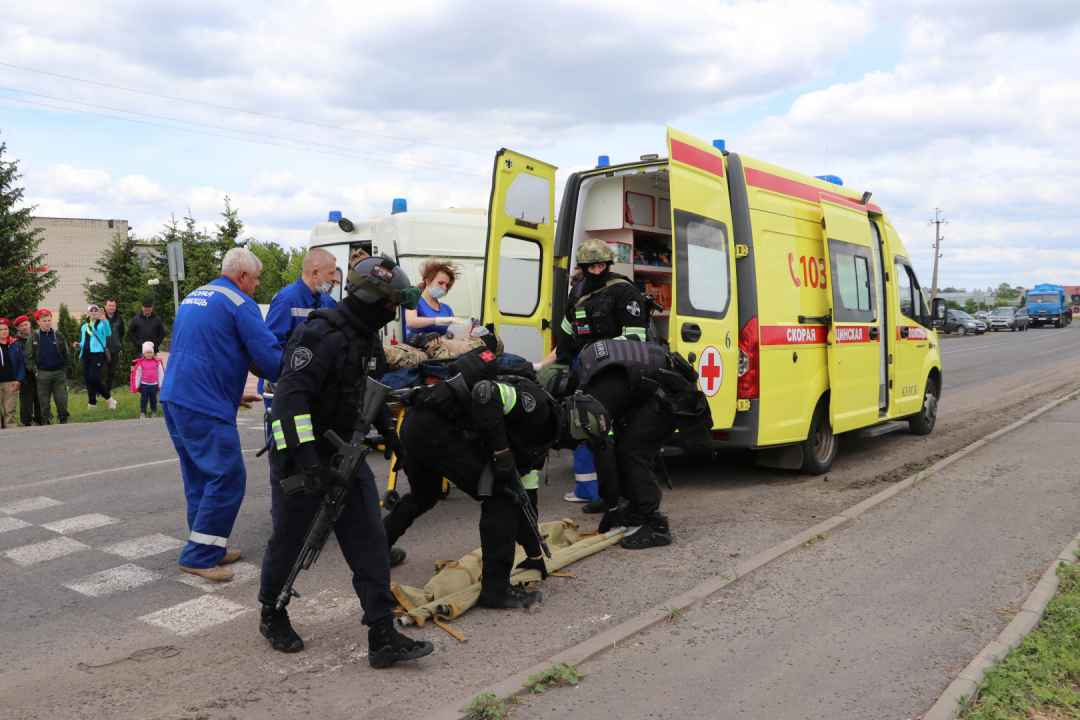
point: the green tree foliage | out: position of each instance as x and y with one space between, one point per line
22 284
278 265
69 328
1005 291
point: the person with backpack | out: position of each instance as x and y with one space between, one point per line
92 345
47 358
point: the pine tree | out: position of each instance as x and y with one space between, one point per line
23 283
69 328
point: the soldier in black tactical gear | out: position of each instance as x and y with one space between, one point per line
323 369
485 426
602 306
649 392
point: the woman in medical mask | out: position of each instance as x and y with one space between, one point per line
433 315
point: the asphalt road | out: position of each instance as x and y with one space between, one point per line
92 515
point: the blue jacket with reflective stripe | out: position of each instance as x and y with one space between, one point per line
216 335
290 307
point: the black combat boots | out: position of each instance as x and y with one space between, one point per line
275 627
386 645
655 532
512 597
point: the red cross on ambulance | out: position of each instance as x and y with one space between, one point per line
711 371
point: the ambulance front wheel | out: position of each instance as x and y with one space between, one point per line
819 448
923 422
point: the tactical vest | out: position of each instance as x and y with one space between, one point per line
338 403
592 314
640 360
531 453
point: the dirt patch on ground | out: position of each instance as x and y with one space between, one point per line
720 512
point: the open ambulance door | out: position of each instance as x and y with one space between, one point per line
704 325
854 349
519 262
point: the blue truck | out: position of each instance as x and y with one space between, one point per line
1049 304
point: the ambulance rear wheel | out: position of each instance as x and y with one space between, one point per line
923 422
819 448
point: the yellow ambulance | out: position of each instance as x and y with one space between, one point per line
792 295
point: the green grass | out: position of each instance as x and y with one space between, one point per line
127 407
1041 678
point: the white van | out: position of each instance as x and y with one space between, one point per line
410 238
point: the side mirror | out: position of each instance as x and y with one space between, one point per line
939 312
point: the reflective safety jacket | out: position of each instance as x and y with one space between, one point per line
617 310
319 390
217 333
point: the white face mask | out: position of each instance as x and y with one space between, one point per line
437 292
324 287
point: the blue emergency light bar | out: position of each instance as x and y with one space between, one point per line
603 161
719 145
399 206
834 179
335 215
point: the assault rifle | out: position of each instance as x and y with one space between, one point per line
352 456
520 496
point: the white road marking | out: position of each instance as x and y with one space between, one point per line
7 524
79 523
244 572
28 555
195 615
28 505
144 546
106 582
36 483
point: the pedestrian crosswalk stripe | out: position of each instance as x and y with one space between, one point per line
27 505
143 546
244 571
28 555
7 524
106 582
195 615
71 525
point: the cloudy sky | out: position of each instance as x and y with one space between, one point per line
134 110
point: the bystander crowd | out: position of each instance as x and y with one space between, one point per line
47 357
92 345
12 374
29 407
116 337
146 327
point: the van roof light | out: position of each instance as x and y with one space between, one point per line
834 179
400 205
335 215
719 145
603 161
647 158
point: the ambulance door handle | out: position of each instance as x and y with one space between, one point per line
691 332
874 332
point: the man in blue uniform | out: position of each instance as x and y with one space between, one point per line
217 334
325 365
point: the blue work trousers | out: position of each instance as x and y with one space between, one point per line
214 481
360 536
585 474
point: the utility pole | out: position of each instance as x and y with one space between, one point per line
937 222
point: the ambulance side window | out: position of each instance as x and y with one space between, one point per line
903 287
853 287
702 266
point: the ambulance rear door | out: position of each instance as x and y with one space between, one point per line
854 350
704 325
519 262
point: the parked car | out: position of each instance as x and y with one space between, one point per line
982 315
961 323
1009 318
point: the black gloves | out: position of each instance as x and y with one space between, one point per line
318 480
531 564
393 446
614 518
505 467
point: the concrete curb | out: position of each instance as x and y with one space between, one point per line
965 684
962 692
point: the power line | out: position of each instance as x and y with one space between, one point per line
248 140
220 127
249 112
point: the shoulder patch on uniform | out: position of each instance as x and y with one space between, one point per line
528 402
633 308
301 356
601 349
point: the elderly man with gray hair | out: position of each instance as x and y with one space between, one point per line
217 335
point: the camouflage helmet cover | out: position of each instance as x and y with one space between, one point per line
594 251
